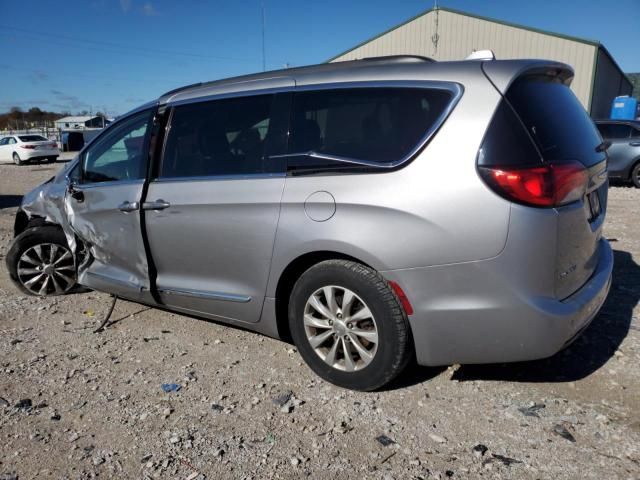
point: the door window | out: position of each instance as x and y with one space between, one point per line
220 137
4 141
381 125
120 153
11 141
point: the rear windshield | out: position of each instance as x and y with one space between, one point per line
556 120
32 138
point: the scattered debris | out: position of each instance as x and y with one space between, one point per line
563 432
479 450
384 440
532 410
437 438
23 404
282 399
170 387
501 458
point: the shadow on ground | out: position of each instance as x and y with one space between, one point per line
586 355
8 201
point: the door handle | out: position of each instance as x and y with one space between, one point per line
128 206
635 144
157 205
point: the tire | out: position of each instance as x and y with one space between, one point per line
16 159
635 175
51 159
30 254
386 357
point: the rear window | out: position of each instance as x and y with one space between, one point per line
381 125
614 131
556 120
32 138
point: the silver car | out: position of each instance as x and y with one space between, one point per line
372 211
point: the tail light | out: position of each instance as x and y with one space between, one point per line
53 145
547 185
29 147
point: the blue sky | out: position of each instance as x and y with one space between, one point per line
116 54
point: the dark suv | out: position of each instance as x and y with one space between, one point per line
624 152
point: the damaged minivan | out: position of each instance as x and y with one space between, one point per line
373 212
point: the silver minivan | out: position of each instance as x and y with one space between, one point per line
372 211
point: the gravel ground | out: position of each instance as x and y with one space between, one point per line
75 404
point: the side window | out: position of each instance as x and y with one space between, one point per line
374 124
219 137
11 141
119 154
3 141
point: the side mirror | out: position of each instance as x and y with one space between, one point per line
76 194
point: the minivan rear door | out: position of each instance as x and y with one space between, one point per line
212 210
563 132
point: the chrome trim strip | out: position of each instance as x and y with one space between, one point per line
248 176
228 297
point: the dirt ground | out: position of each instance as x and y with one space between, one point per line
75 404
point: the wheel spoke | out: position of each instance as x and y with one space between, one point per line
349 366
38 250
311 321
330 296
361 314
56 285
347 302
319 307
53 250
28 271
43 288
363 352
319 339
369 335
67 279
35 279
331 355
66 255
26 258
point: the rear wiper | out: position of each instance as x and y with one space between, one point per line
603 146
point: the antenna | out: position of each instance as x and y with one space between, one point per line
264 66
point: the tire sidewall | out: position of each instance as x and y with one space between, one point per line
376 373
16 159
635 173
27 239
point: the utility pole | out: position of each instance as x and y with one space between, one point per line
264 63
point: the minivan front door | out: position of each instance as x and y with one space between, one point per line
212 213
103 209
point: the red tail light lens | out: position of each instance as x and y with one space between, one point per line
30 147
549 185
53 145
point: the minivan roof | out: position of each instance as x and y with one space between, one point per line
398 67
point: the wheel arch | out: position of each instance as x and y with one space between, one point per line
290 275
633 164
24 222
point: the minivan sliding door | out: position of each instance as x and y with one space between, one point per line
211 214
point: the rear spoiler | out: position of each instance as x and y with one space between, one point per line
503 73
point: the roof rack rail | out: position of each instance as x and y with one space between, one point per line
179 89
398 58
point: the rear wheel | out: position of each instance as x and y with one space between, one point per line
16 159
41 263
635 175
348 325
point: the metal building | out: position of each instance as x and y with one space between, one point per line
446 34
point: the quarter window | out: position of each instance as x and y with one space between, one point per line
119 154
220 137
380 125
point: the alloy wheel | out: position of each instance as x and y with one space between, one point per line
341 328
47 269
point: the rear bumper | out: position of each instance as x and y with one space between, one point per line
471 313
27 154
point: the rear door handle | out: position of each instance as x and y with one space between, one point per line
157 205
635 144
128 206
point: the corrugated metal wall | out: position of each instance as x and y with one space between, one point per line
459 35
608 85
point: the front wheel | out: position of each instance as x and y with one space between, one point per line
16 159
41 263
635 175
348 325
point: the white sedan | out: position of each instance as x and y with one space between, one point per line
25 148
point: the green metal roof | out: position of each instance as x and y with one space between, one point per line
595 43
